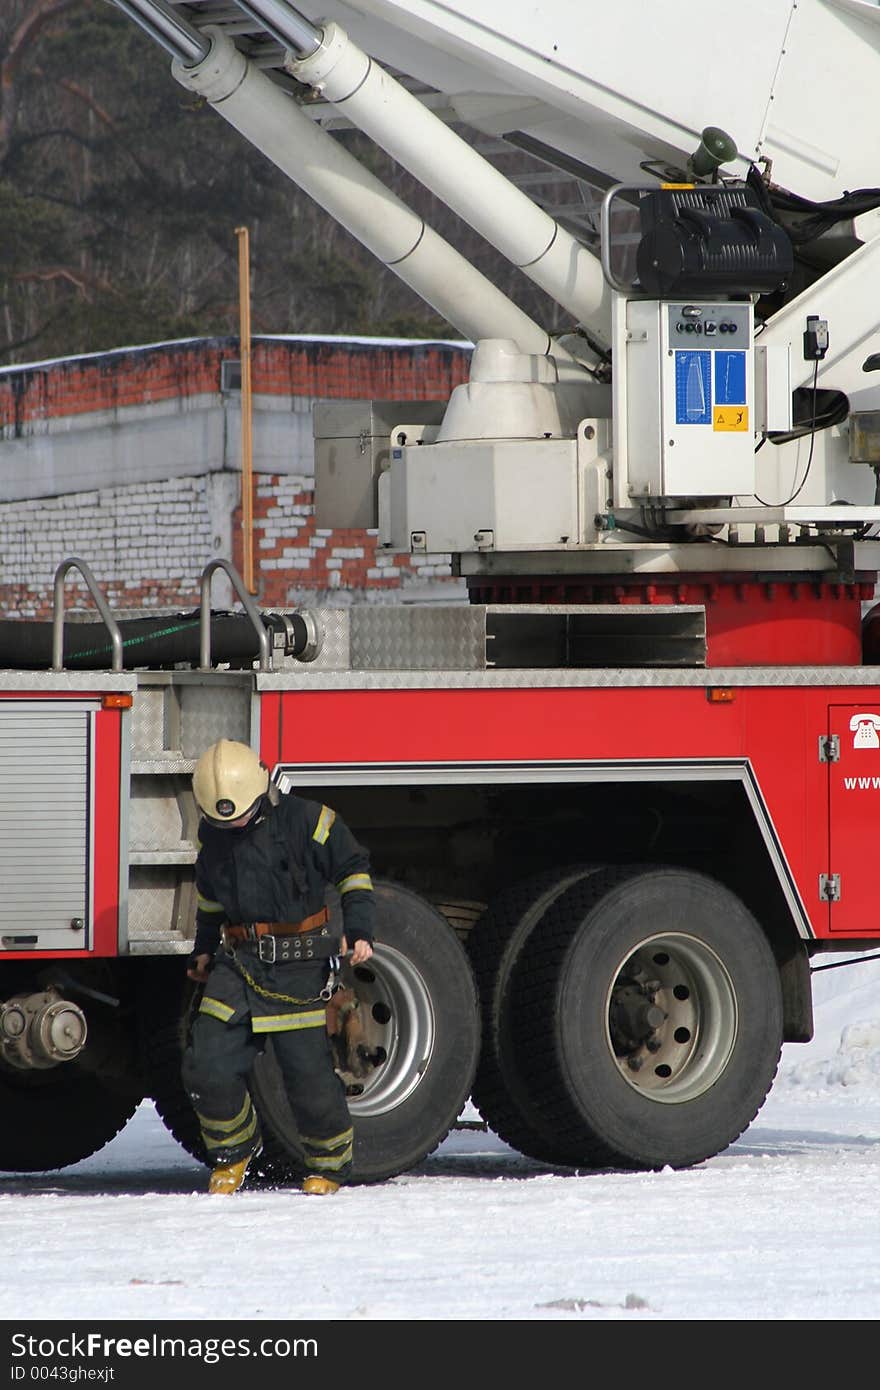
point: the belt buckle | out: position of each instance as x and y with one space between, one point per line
263 941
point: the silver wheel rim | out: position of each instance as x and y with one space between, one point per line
398 1018
671 1018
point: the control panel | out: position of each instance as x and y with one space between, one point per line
689 399
727 323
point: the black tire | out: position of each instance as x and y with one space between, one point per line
648 1018
59 1116
167 1000
418 996
494 944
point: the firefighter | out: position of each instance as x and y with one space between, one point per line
266 954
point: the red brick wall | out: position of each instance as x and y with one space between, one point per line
290 554
139 376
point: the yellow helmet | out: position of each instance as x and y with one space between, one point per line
228 781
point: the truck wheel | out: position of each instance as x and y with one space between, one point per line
494 944
166 1006
648 1017
57 1117
417 998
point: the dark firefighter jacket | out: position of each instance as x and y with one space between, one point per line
278 868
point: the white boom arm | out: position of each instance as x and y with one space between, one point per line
613 82
524 233
356 198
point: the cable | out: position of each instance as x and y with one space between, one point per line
817 217
864 532
755 181
673 533
800 486
636 530
834 414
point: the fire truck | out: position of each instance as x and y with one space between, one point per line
620 801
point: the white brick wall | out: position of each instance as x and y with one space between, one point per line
147 545
153 536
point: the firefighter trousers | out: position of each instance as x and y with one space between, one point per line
216 1069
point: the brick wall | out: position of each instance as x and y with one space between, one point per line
293 557
344 369
147 543
145 546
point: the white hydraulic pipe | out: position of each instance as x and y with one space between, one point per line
273 122
524 233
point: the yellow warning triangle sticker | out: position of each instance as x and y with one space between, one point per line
730 417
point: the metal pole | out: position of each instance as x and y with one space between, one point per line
285 24
156 17
205 614
74 562
247 469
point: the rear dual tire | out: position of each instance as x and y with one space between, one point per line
645 1015
494 946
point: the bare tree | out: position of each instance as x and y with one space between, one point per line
20 29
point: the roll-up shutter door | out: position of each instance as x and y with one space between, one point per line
45 825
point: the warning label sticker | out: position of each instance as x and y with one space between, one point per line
730 417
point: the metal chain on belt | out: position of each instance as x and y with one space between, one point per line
324 996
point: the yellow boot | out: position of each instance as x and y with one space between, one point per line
228 1177
320 1187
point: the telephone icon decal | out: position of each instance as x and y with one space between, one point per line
865 727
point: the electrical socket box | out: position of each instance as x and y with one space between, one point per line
463 496
352 448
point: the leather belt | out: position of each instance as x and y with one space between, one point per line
252 931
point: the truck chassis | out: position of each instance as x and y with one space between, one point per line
599 890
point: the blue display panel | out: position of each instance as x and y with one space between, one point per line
693 388
730 378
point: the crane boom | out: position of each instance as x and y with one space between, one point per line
755 259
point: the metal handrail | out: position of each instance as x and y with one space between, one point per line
205 614
616 191
73 562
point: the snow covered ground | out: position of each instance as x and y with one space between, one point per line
784 1225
